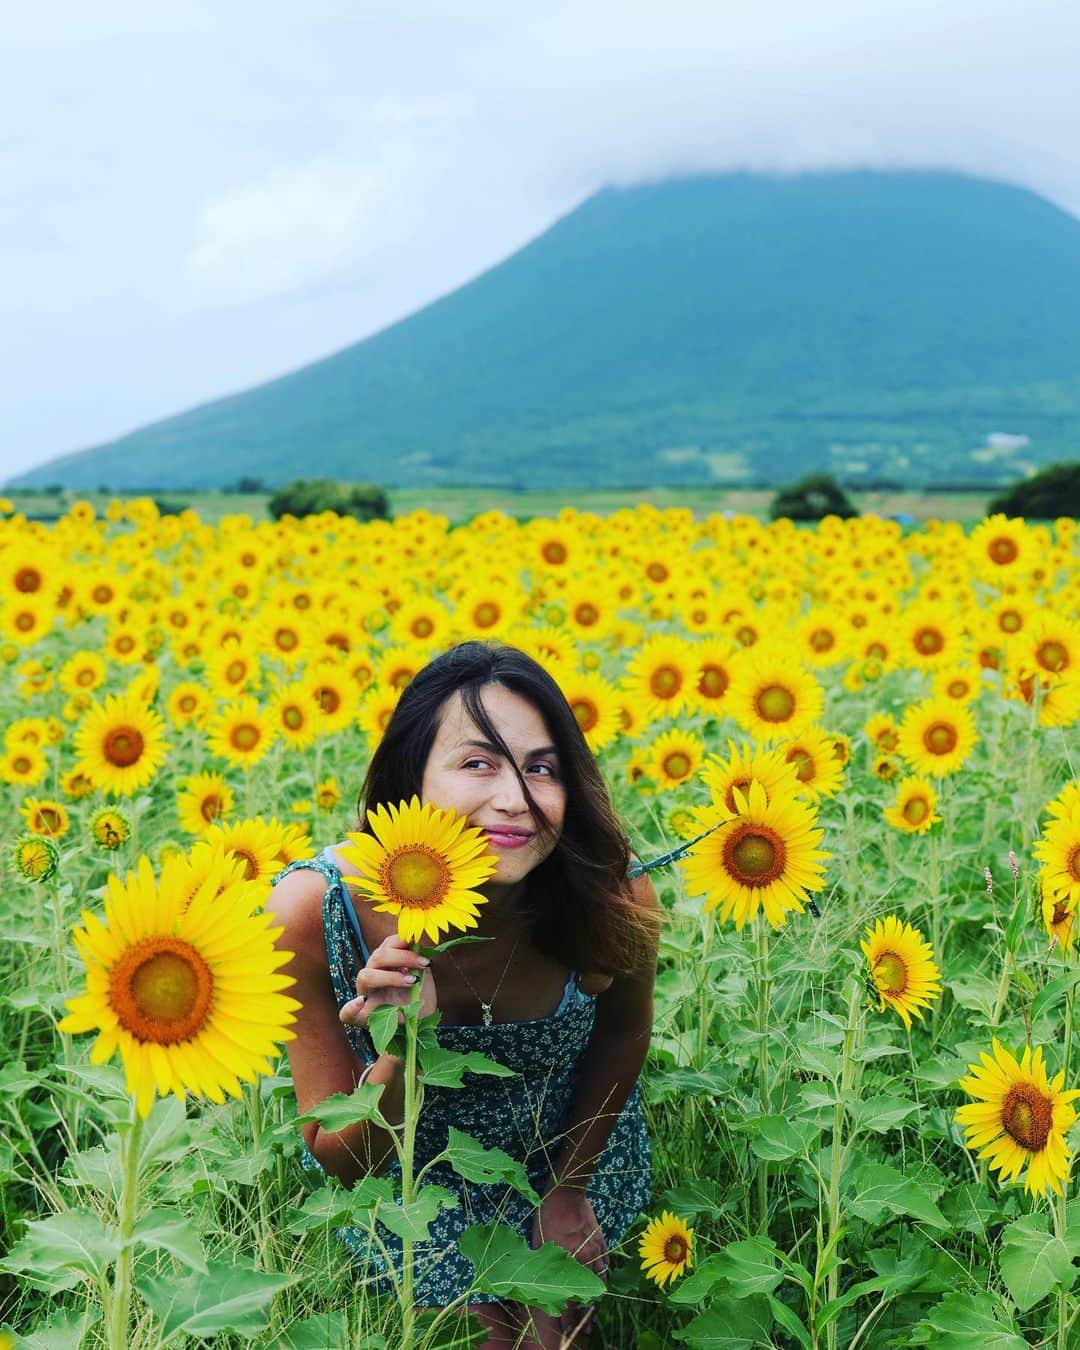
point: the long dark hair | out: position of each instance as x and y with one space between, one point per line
578 900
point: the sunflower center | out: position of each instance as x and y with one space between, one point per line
915 811
940 738
421 627
245 736
775 703
235 671
743 784
85 677
1027 1116
25 621
123 746
586 713
929 641
416 877
487 613
210 807
586 615
27 580
958 688
675 1250
292 717
876 649
804 762
713 682
1072 866
1052 656
754 855
125 644
161 990
286 640
822 640
677 764
554 552
251 863
656 571
1009 621
891 974
1060 913
888 740
49 819
665 681
1003 550
746 635
328 698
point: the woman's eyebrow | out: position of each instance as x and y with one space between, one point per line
493 749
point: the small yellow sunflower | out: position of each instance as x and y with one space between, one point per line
765 858
1000 547
660 677
744 764
674 758
253 843
812 754
595 704
189 704
936 736
421 863
1019 1118
666 1248
121 744
187 989
24 765
109 829
1057 916
915 807
902 967
204 800
1058 850
242 732
772 695
45 816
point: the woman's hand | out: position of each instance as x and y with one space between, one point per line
566 1217
392 970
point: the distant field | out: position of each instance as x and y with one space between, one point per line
461 504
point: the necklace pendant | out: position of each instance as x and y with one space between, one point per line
488 1019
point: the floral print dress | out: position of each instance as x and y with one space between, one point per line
524 1115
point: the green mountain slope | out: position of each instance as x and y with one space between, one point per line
731 327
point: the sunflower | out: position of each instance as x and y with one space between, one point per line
591 609
936 736
660 677
1057 916
27 619
241 732
1052 646
820 640
35 857
83 672
959 683
915 807
234 669
24 765
1059 852
187 990
712 675
931 635
420 863
594 702
882 732
327 794
765 858
772 696
813 755
902 967
1000 547
674 758
45 816
334 696
422 620
744 764
188 704
885 768
121 745
666 1248
74 783
203 800
282 635
295 715
251 842
1019 1117
375 712
109 829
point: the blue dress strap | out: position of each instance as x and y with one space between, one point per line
346 951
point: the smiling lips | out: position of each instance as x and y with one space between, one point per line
507 836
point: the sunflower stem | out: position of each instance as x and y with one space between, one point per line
847 1073
408 1151
1057 1210
764 991
120 1302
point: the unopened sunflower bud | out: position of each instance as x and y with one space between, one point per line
989 881
1014 864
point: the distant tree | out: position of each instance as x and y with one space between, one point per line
248 485
1052 492
311 496
811 498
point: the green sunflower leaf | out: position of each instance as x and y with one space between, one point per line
1033 1261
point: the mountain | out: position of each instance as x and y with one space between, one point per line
742 327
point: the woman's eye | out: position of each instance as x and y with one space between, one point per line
475 764
548 769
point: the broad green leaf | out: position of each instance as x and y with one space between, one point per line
747 1267
168 1230
547 1277
381 1024
881 1114
790 1322
98 1168
739 1324
315 1333
970 1209
166 1134
341 1110
690 1083
877 1190
15 1079
777 1139
968 1322
332 1206
414 1219
700 1196
1051 992
60 1251
693 1288
229 1297
974 991
444 1068
1033 1261
474 1162
65 1330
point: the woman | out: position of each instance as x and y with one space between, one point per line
561 993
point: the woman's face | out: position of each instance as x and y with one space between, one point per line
467 773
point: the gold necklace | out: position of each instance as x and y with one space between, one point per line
487 1006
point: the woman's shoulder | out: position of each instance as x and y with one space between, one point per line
594 984
296 902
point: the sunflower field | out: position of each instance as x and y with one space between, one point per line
859 743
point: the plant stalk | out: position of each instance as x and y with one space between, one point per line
120 1302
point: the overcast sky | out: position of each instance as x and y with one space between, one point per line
195 196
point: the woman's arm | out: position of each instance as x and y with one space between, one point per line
320 1057
609 1066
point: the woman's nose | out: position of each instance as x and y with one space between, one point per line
508 795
